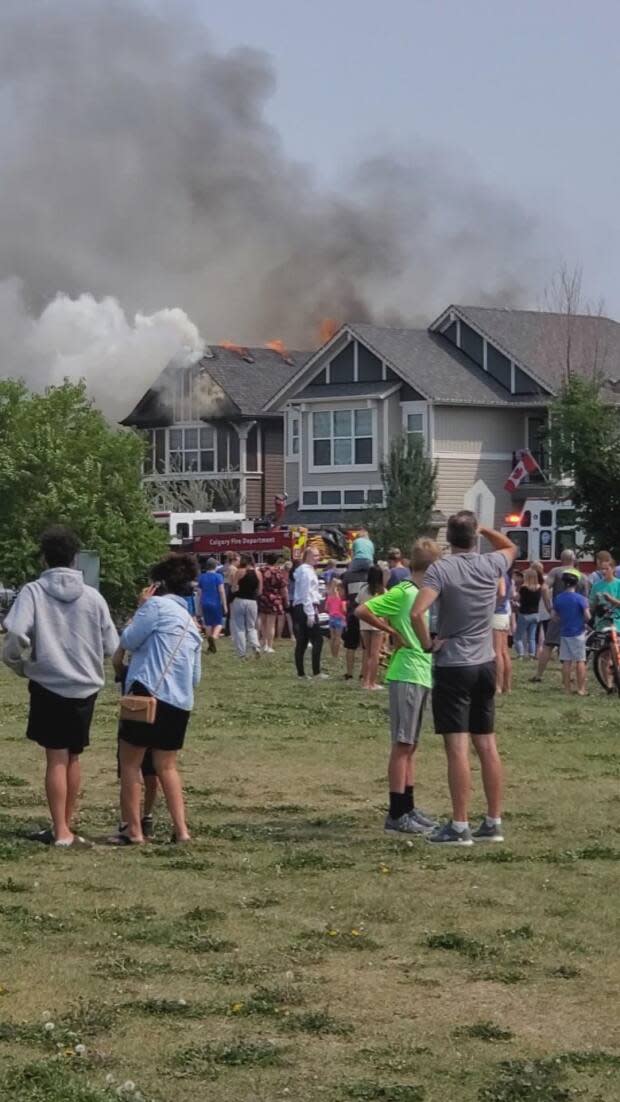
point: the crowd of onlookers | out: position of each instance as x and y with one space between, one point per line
446 625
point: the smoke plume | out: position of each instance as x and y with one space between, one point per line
141 179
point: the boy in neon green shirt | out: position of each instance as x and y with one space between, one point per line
409 678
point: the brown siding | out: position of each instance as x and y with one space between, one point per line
273 461
254 504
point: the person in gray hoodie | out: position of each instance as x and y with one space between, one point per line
59 631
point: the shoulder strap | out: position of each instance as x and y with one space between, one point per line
172 657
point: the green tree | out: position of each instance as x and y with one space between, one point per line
584 446
409 481
61 462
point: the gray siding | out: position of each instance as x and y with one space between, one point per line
474 430
457 476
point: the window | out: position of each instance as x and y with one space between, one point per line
352 498
155 458
341 368
498 366
525 385
414 421
521 540
565 540
546 518
471 344
251 455
565 518
342 438
293 439
191 450
369 366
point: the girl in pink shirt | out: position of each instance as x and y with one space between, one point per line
336 608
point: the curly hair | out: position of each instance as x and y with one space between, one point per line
177 572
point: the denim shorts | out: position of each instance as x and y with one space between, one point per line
573 648
337 623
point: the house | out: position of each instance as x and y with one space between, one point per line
206 426
475 387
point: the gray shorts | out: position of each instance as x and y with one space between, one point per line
407 704
573 648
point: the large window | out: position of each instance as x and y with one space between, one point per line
192 449
342 438
343 499
197 449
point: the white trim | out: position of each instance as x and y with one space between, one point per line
484 354
307 403
196 476
430 447
473 455
386 431
290 415
419 408
356 366
337 468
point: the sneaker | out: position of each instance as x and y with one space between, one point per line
486 833
148 828
404 825
423 819
446 835
211 645
320 677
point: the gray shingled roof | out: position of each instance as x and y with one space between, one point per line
434 367
250 385
348 390
539 340
246 386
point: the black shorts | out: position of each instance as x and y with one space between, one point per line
59 722
147 768
464 699
351 636
166 733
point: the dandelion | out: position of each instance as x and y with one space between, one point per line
182 1002
80 1050
332 933
128 1086
109 1079
46 1015
385 869
355 933
49 1027
236 1008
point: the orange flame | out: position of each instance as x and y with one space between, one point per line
230 346
281 349
329 326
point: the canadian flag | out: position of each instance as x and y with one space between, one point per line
526 465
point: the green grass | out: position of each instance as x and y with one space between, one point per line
295 951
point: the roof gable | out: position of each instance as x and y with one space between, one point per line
546 344
224 384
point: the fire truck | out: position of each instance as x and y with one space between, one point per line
215 533
543 530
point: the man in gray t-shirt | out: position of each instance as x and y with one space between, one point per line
465 586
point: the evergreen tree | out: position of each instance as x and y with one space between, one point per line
409 481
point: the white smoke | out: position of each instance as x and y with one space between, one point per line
82 338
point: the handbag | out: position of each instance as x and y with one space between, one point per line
143 709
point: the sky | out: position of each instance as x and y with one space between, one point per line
524 94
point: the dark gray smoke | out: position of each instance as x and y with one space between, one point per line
137 164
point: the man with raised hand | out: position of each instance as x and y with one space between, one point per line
465 585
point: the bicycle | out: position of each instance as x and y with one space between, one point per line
603 646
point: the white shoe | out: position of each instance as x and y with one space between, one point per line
320 677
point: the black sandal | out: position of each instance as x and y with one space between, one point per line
122 840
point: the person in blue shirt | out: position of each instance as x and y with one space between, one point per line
573 612
213 600
165 648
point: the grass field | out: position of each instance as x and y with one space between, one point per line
295 952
